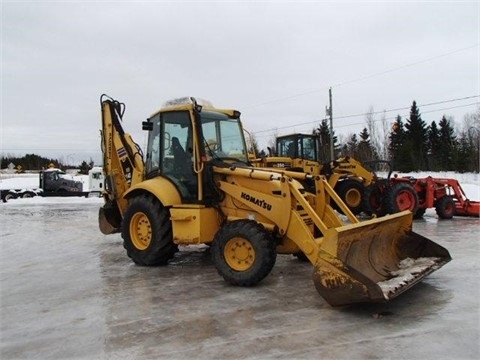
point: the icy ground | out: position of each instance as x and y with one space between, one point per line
69 292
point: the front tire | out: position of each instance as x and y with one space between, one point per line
445 207
243 252
373 203
147 232
352 193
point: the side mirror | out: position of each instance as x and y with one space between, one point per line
147 125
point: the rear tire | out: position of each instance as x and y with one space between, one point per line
9 196
147 232
373 200
243 252
352 193
445 207
400 197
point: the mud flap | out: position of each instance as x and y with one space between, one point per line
375 260
109 219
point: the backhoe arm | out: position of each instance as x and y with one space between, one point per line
122 164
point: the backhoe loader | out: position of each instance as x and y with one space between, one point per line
196 186
358 186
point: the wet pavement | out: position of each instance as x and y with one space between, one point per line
69 292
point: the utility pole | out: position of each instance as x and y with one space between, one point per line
329 112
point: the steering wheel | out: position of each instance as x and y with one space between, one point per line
212 145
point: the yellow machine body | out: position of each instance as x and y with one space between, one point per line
225 202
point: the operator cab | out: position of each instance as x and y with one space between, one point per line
186 139
297 146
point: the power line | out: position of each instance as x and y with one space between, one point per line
406 108
361 78
314 122
381 112
404 66
423 112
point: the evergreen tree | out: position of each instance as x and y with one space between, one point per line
352 146
396 148
433 147
84 168
464 155
416 140
366 151
446 150
323 133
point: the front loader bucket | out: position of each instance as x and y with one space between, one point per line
374 260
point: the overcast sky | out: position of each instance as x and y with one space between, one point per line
273 61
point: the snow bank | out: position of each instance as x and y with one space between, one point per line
470 182
31 181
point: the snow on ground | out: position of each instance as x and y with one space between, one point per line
470 183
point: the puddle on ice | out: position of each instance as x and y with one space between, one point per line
408 269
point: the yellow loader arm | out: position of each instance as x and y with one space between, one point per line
354 262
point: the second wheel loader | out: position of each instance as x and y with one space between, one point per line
196 186
358 186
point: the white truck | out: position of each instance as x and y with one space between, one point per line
96 180
52 182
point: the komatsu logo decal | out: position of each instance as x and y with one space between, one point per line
121 152
259 202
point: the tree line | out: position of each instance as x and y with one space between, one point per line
410 144
37 162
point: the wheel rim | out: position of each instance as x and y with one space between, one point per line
405 200
239 254
140 231
353 198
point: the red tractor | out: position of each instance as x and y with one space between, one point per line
446 196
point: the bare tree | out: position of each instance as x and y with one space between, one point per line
272 144
373 130
471 132
385 137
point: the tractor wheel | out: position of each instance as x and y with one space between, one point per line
147 232
400 197
373 199
243 252
419 213
445 207
351 192
9 196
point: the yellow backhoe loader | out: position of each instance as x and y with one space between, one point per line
196 186
358 187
